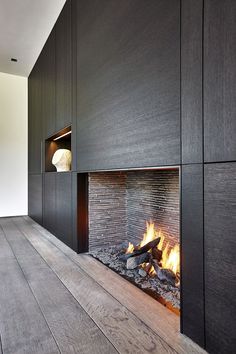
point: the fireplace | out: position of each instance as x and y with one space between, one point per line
133 228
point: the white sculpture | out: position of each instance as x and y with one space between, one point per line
62 160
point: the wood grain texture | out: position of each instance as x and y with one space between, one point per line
74 83
192 271
49 86
64 207
49 201
124 330
70 325
149 311
128 92
63 29
220 261
219 80
35 120
35 197
191 80
23 328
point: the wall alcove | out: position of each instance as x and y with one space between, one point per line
59 140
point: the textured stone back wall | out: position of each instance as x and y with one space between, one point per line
107 210
121 202
152 195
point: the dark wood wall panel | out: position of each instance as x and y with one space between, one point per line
192 268
220 80
48 86
220 260
64 68
113 69
35 197
35 121
49 201
64 219
191 80
128 91
74 83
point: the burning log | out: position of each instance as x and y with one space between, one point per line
149 246
165 274
157 254
135 261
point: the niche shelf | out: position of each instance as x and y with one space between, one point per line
59 140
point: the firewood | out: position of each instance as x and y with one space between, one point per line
157 254
165 274
150 245
134 262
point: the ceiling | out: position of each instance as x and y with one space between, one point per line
24 28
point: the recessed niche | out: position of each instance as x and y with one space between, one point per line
60 140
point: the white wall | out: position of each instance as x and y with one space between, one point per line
13 145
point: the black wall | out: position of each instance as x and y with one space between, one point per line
128 75
147 83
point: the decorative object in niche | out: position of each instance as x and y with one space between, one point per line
62 160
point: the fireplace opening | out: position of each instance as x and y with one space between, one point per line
134 228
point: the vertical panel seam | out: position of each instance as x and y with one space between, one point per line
203 179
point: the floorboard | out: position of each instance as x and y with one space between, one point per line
72 328
22 326
156 316
124 330
55 301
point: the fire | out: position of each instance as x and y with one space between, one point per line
170 256
130 248
170 259
149 235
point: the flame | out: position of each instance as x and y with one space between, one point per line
171 259
170 256
152 271
130 248
150 234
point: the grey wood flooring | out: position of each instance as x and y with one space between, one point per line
55 301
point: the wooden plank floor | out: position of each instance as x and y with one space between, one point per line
55 301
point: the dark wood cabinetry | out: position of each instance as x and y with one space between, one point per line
128 83
192 267
220 80
48 86
220 260
143 84
35 121
57 206
49 201
64 207
51 106
191 81
35 197
63 30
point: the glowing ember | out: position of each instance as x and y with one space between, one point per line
170 258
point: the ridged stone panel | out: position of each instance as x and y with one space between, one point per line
153 195
107 211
